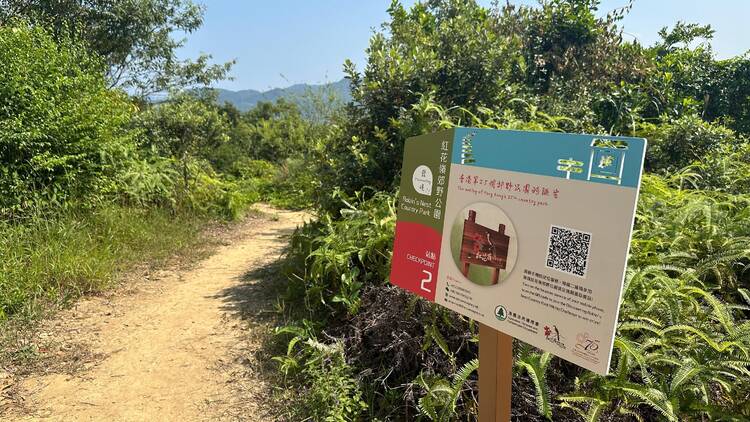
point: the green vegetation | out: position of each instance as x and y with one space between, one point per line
683 341
50 261
61 129
133 38
93 180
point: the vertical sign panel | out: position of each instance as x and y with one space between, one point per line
424 190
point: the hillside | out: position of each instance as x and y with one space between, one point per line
247 98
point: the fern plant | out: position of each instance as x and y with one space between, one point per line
441 395
680 352
535 365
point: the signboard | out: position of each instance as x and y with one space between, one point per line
525 232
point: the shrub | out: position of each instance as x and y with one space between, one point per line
339 256
275 131
293 185
151 181
682 342
61 130
725 169
331 393
679 143
183 127
247 168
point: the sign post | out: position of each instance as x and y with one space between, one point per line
495 374
525 232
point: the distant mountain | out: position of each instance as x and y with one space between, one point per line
247 98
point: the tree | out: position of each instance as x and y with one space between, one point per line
134 38
183 127
566 45
62 132
269 131
445 48
276 131
715 89
555 59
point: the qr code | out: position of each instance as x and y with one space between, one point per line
568 250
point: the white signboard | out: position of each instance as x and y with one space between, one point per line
525 232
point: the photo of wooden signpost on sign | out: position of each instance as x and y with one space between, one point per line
525 232
483 246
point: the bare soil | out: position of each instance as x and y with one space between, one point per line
178 344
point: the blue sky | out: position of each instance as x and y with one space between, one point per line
283 42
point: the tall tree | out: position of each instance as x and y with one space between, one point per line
184 126
136 38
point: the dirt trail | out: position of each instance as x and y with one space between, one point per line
172 350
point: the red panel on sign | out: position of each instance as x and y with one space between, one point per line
416 255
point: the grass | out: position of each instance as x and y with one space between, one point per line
51 261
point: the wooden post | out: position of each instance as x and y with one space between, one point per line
495 362
473 219
496 270
495 275
495 374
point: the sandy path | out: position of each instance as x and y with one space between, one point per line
169 351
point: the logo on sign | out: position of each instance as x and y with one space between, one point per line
586 344
552 334
501 313
422 180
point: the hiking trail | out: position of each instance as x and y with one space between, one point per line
179 346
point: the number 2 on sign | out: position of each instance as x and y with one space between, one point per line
425 281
